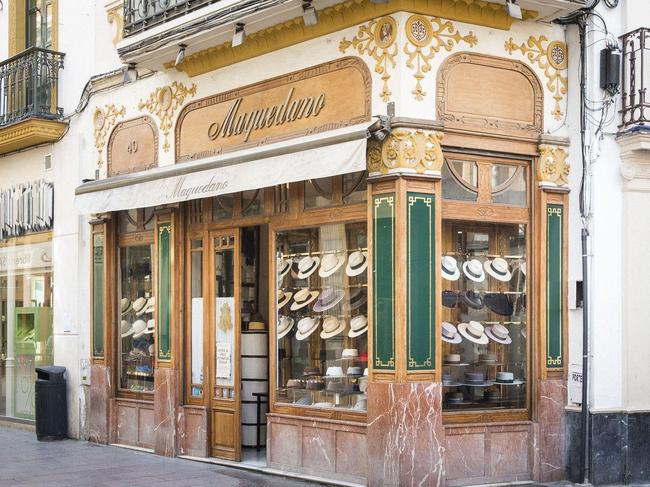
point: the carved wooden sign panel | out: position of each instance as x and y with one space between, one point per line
318 99
132 146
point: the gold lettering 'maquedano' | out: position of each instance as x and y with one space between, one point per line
235 123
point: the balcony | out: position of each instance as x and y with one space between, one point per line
140 15
29 112
635 104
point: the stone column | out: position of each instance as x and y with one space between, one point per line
405 433
551 220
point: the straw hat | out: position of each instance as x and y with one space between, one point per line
139 305
357 263
151 327
332 326
139 328
125 305
498 268
307 266
285 324
283 297
499 333
358 326
302 298
306 327
328 299
450 269
151 305
450 334
126 329
284 266
330 264
474 332
473 270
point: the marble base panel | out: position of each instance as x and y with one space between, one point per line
405 435
321 447
98 412
193 431
132 423
489 453
551 426
166 407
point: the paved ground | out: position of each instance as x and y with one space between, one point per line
27 462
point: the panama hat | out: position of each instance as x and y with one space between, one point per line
498 268
450 269
349 354
332 326
507 378
358 298
328 299
334 372
285 323
450 334
357 263
151 305
473 270
283 297
284 266
125 305
139 327
126 329
358 326
474 378
330 264
139 305
474 332
499 333
151 327
306 327
307 266
302 298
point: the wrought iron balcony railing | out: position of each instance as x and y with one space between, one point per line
140 15
29 86
635 109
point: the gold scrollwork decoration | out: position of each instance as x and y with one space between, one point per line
553 168
103 120
115 15
377 40
163 103
551 57
406 150
429 36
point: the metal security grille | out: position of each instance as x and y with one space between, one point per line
26 208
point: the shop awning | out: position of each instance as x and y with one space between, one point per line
335 152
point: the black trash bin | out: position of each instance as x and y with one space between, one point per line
51 403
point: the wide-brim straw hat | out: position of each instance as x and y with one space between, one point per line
474 332
332 326
498 268
358 326
499 334
306 327
330 263
285 324
302 298
357 263
449 268
307 266
473 270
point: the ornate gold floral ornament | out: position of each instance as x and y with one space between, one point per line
377 40
103 120
406 151
552 58
115 16
163 103
553 168
429 36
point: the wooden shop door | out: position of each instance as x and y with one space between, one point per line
224 349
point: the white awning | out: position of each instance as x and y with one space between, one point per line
335 152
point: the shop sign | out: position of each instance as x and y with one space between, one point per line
20 257
132 146
322 98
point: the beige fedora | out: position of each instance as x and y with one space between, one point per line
499 333
126 329
306 327
285 324
139 305
474 332
302 298
330 264
358 326
332 326
139 328
307 266
283 297
284 266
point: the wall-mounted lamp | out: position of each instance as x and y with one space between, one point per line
239 36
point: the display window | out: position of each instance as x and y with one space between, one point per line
322 316
485 319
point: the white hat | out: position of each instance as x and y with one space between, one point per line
306 327
474 332
474 270
498 268
330 264
349 354
302 298
498 333
328 298
151 327
283 297
332 326
125 304
151 305
126 328
450 334
284 266
285 323
139 305
449 267
307 266
357 263
362 404
358 326
139 327
334 372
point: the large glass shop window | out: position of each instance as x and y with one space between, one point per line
322 317
137 304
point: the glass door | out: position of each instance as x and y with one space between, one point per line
224 339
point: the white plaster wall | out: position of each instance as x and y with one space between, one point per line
4 27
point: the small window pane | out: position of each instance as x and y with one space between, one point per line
196 388
318 192
509 185
355 186
252 202
222 206
127 221
460 180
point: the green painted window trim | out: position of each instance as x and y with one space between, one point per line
420 281
383 269
554 277
98 295
164 292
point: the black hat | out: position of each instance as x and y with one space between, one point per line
472 299
498 303
449 299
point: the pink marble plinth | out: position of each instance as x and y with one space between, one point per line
166 408
552 457
132 422
193 431
405 435
99 412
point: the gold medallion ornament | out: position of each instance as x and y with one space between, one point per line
406 151
434 34
553 168
377 40
103 120
163 103
552 58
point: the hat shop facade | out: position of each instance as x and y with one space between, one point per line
385 296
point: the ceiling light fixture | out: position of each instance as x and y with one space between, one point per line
513 9
181 54
239 36
309 13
